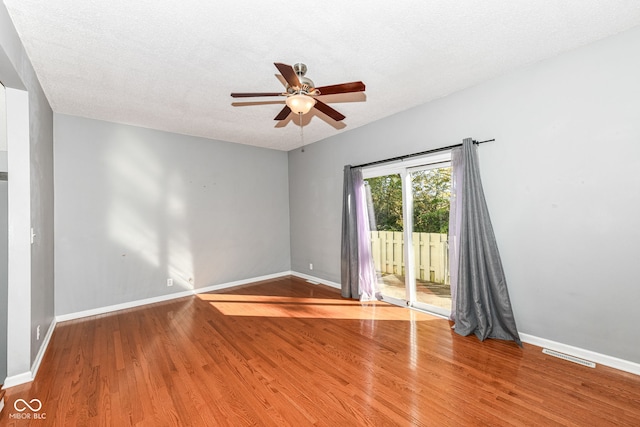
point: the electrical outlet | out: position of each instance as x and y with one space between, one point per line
38 333
310 266
169 282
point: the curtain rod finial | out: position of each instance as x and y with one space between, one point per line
482 142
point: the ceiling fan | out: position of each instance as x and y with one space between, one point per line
302 93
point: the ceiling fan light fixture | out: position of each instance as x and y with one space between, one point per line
300 103
301 93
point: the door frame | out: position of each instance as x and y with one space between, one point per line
404 168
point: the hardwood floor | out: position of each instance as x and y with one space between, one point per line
288 353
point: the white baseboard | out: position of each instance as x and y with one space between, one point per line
603 359
43 348
242 282
15 380
123 306
161 298
316 279
26 377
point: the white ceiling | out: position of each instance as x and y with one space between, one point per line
171 65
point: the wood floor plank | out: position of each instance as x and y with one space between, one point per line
288 353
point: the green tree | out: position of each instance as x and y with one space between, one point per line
431 199
386 192
431 194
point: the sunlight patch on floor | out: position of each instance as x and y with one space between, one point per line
313 308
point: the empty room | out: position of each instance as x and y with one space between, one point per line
331 213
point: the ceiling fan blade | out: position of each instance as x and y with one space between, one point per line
341 88
254 94
289 75
284 113
321 106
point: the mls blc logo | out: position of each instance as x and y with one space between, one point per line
34 406
21 405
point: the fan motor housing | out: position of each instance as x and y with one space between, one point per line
306 84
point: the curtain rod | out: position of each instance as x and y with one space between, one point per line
422 153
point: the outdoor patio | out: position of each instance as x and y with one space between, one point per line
436 294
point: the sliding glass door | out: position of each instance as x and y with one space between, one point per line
384 194
431 192
409 209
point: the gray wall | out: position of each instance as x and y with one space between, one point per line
4 241
561 182
42 211
4 238
136 206
16 72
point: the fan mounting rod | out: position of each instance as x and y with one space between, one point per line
300 69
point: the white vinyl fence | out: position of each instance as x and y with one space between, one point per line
430 250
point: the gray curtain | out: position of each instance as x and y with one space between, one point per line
349 266
482 304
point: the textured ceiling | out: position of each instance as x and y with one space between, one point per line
171 65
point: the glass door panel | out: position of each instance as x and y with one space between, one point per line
384 194
431 190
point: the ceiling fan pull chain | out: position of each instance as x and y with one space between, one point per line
301 132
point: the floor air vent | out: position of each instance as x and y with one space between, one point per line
569 358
